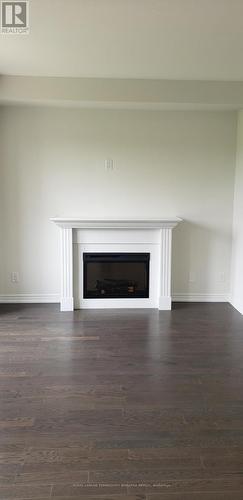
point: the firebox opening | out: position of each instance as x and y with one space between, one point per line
116 275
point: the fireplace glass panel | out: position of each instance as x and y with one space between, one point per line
116 275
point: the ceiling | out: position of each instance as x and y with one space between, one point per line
160 39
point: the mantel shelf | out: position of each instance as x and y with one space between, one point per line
78 223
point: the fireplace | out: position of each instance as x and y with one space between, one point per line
115 275
129 238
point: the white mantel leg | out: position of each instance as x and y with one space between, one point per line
165 269
66 269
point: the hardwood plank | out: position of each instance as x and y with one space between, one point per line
51 476
79 490
234 495
104 497
26 491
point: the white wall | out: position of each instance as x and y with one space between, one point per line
237 248
167 163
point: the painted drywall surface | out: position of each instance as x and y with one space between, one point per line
1 205
237 247
165 164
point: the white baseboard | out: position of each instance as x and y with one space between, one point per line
49 298
200 297
30 298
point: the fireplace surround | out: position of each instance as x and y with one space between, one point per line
82 237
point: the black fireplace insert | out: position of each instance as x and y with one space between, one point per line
116 275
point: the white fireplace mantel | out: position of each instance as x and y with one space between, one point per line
162 237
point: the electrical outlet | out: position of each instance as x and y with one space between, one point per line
15 277
222 277
192 277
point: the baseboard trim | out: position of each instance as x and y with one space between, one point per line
30 298
200 297
52 298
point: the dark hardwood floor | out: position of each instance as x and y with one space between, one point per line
121 404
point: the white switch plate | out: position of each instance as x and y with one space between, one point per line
109 164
